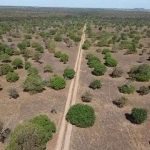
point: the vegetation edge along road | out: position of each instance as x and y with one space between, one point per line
70 99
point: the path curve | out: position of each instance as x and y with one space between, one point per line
64 136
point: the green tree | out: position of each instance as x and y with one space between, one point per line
27 65
58 54
140 73
5 68
12 77
17 63
64 58
34 84
99 70
5 58
80 115
58 83
139 115
69 73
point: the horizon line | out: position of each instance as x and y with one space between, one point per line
72 7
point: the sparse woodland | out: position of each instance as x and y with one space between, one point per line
38 51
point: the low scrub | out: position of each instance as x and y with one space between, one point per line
123 101
117 72
96 84
87 97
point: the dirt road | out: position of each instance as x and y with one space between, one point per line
64 136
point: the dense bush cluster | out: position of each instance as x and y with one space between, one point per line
94 62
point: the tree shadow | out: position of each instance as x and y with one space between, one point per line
129 118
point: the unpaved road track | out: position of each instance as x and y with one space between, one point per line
64 136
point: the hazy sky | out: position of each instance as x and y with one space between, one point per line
80 3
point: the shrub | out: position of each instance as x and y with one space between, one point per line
12 77
17 63
107 55
9 51
48 68
5 58
39 48
69 73
140 73
86 45
87 97
5 68
28 136
110 62
117 72
21 46
106 51
33 71
28 36
94 62
58 54
58 83
99 70
121 102
58 38
131 49
89 56
144 90
80 115
1 126
127 89
139 115
96 84
27 65
33 83
13 93
98 50
37 56
51 47
64 58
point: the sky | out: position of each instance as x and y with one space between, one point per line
80 3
